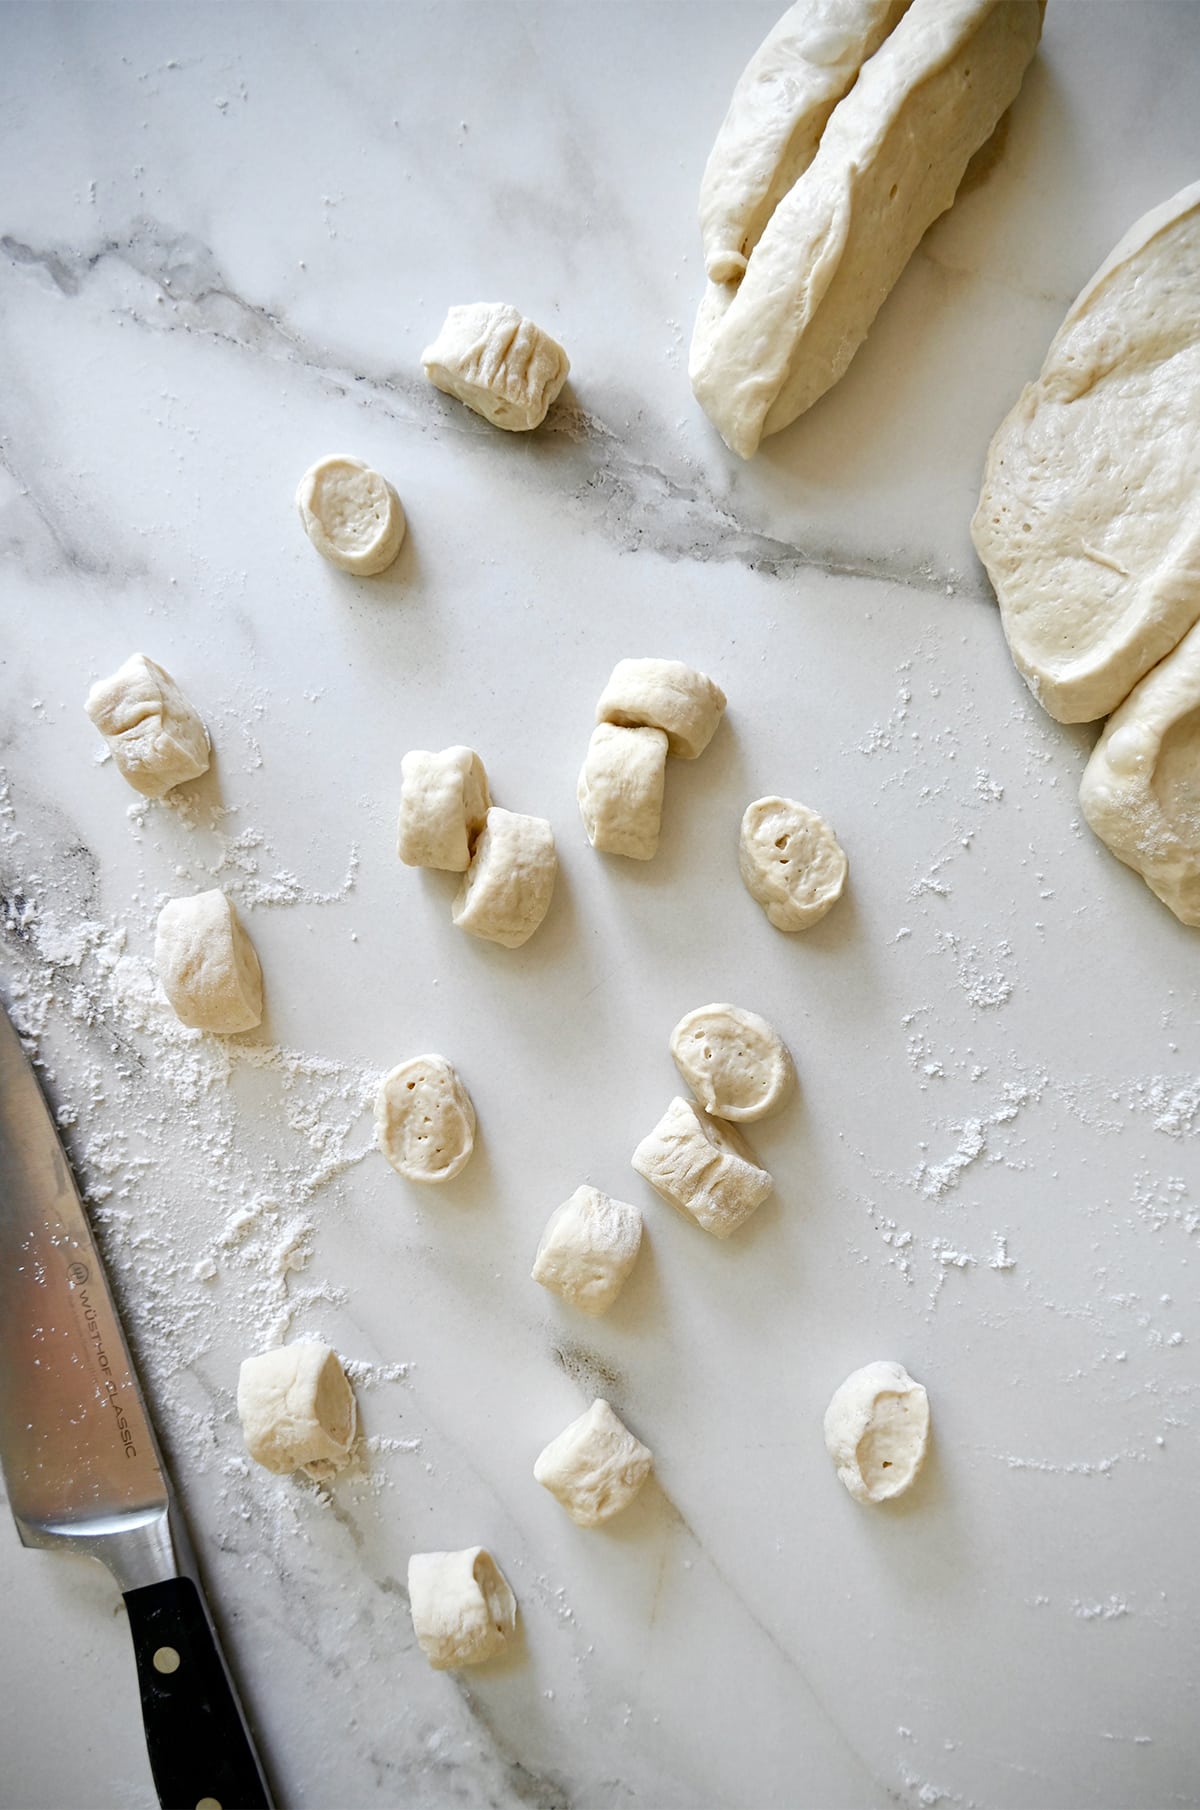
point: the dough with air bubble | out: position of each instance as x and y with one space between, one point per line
737 1066
499 363
425 1120
621 790
443 803
351 514
595 1467
207 964
297 1409
588 1248
664 694
507 888
463 1611
877 1431
703 1167
155 736
791 862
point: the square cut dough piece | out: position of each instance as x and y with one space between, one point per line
499 363
595 1467
588 1248
154 735
463 1611
506 891
664 694
443 804
703 1167
207 964
297 1410
621 790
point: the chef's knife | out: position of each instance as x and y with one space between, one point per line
81 1464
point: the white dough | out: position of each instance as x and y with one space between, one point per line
791 862
735 1064
154 735
424 1120
499 363
1141 788
890 160
703 1167
877 1431
297 1410
207 964
463 1611
595 1467
1089 516
351 514
621 790
588 1248
664 694
443 803
506 891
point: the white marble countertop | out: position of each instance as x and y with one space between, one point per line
227 234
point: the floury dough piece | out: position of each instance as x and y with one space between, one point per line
1141 788
297 1410
703 1167
621 790
588 1248
506 890
443 803
890 160
734 1063
463 1611
1089 517
783 98
499 363
424 1120
207 964
154 735
351 514
877 1431
664 694
595 1467
791 862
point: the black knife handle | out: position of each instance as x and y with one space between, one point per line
200 1751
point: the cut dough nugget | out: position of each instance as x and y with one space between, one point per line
207 964
443 804
154 735
664 694
621 790
735 1064
791 862
463 1611
424 1120
588 1248
499 363
351 514
877 1431
297 1410
506 890
702 1167
595 1467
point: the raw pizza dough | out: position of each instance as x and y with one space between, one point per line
499 363
155 736
351 514
297 1410
207 964
664 694
620 790
877 1431
791 862
595 1467
735 1064
463 1611
588 1248
507 888
424 1120
443 803
703 1167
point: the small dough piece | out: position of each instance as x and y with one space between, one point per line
154 735
664 694
207 964
734 1063
780 106
1141 788
595 1467
424 1120
1089 516
463 1611
297 1410
621 790
703 1167
877 1431
351 514
443 802
791 862
499 363
506 891
588 1248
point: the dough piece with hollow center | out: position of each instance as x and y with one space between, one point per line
734 1063
791 862
443 803
664 694
463 1611
588 1248
703 1167
890 160
155 736
877 1431
297 1410
424 1120
783 98
1089 516
499 363
621 790
506 891
595 1467
207 964
1141 788
351 514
